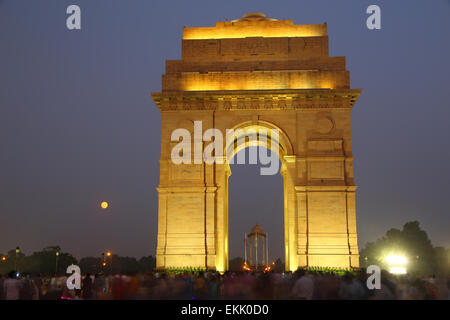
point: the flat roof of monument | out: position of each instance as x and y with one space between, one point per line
255 25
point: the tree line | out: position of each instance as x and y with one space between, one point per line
422 258
51 260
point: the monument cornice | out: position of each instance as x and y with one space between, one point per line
287 99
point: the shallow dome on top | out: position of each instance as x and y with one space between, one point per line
254 16
257 229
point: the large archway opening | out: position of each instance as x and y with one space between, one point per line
264 145
254 199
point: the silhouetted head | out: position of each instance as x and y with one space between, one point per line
300 272
348 277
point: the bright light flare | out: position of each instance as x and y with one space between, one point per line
397 264
245 267
104 205
396 260
397 270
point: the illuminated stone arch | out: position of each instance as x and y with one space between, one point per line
285 153
286 148
259 73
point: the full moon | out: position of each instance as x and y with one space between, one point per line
104 205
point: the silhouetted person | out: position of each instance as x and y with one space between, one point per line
11 287
213 287
303 287
87 287
38 282
1 286
200 289
98 286
27 288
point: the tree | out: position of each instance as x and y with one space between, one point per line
147 264
125 265
91 265
236 264
442 261
7 263
48 261
278 266
411 242
12 262
45 261
117 264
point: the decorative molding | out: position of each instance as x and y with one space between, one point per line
256 99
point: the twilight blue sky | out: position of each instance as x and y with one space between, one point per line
77 124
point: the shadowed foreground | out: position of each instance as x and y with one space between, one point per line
300 285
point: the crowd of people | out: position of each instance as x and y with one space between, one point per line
303 285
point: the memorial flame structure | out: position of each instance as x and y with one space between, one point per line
259 73
251 241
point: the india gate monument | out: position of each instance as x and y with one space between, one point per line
261 74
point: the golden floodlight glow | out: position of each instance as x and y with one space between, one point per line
104 205
396 260
255 25
265 82
250 31
397 270
397 264
108 254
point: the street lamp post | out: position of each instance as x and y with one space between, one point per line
56 262
103 262
109 255
15 260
